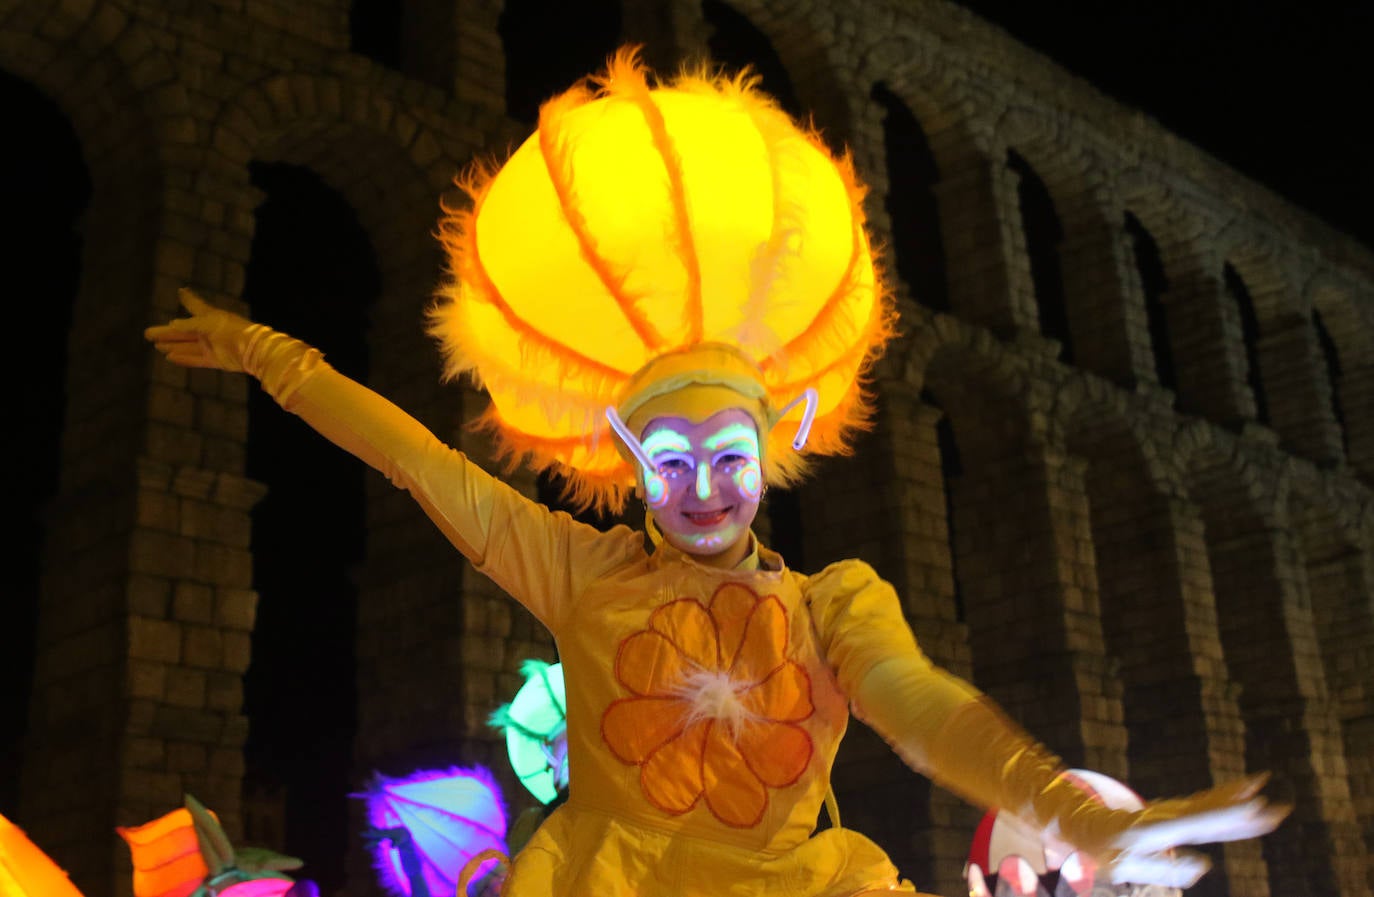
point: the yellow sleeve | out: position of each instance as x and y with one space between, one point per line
945 728
939 724
542 559
891 684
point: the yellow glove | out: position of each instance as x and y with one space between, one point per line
219 339
541 559
981 755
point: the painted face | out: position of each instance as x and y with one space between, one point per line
706 482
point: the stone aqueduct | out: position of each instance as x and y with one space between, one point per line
1121 472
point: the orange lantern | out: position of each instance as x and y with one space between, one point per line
166 855
26 871
641 221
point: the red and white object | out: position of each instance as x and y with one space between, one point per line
1010 858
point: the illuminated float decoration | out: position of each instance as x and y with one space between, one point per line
674 223
424 828
186 853
536 729
26 871
1010 859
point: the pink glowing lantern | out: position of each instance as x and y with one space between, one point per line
262 887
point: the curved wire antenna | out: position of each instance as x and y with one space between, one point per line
634 445
812 398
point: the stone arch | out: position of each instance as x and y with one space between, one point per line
1006 520
312 273
806 48
1292 369
390 164
1254 405
1268 640
972 189
1038 271
1349 362
1106 318
1151 282
90 59
46 190
1202 320
924 413
88 66
911 180
1332 532
1158 618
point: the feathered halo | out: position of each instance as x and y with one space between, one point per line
647 218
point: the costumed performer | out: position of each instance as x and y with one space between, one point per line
668 289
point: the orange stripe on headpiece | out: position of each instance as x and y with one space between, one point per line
626 76
559 164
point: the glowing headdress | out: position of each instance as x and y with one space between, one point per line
645 221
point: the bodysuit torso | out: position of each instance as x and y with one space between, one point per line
703 718
704 706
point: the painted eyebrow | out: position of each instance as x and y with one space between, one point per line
732 436
666 440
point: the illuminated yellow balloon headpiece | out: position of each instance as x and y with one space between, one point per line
662 250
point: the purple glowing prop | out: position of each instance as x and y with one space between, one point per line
448 816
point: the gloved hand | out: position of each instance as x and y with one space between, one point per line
983 756
210 338
219 339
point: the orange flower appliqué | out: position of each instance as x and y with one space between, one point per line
715 708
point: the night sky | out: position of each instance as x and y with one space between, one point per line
1277 90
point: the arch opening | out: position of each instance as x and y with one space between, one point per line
45 188
1331 363
312 274
1149 266
1043 234
1239 295
912 208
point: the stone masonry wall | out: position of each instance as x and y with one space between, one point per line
1159 583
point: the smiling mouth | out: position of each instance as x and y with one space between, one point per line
707 518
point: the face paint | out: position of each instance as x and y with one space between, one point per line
665 449
736 449
711 479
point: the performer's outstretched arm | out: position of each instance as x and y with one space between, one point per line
944 728
536 556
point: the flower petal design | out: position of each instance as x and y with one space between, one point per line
764 647
649 664
671 777
731 606
634 728
776 752
715 705
734 794
689 626
784 696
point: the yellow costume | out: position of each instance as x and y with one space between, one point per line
673 254
654 803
